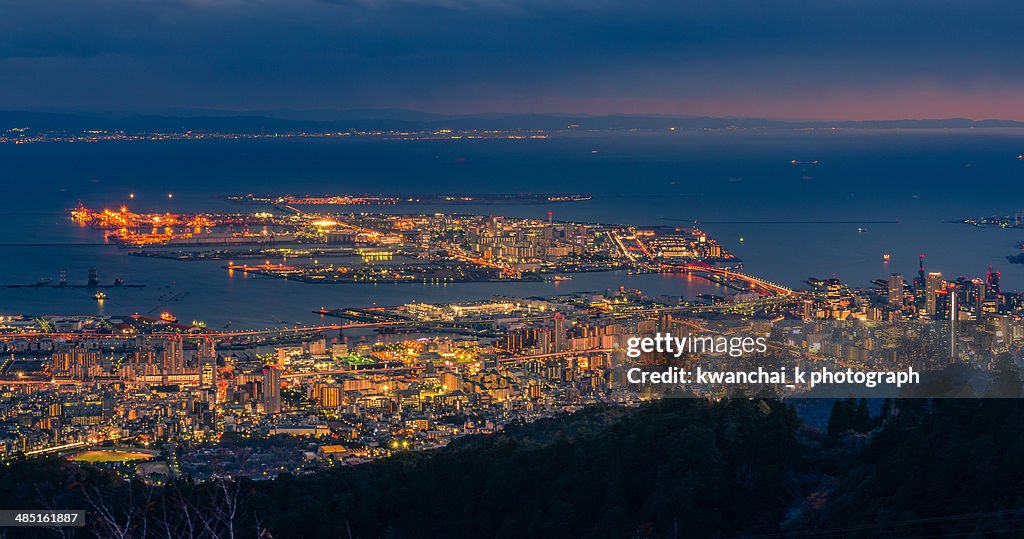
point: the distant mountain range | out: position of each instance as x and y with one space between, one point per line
271 121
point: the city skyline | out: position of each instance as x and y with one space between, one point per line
511 268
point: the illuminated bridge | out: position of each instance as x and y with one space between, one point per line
759 285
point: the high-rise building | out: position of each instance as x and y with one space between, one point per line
992 284
978 295
932 285
75 362
971 294
207 348
317 347
808 309
328 395
833 293
208 372
271 390
559 331
896 290
450 382
665 322
172 356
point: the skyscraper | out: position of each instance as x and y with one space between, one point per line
992 284
932 284
208 372
271 390
559 331
172 356
896 290
207 348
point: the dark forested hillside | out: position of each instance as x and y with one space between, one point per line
675 468
949 468
677 465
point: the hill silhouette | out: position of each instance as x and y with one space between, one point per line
673 468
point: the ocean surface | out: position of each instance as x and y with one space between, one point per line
871 193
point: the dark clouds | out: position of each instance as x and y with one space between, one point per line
784 58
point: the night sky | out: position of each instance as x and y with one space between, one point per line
854 59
